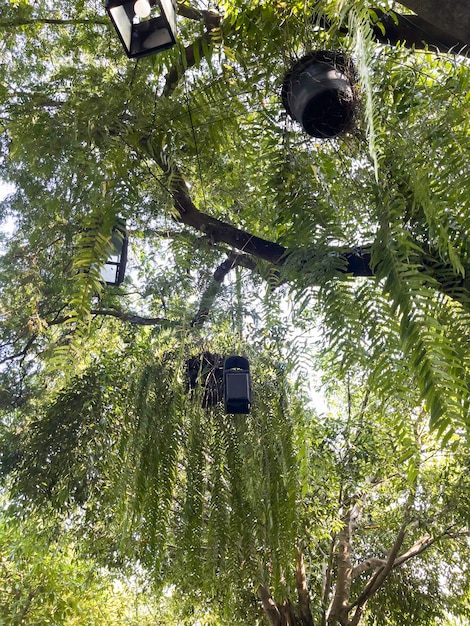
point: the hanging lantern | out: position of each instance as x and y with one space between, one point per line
114 269
144 26
318 93
237 385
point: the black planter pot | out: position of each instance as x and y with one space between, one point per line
318 93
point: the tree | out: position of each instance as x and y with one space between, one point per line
43 580
368 232
337 521
394 226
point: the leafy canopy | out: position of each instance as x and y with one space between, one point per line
232 211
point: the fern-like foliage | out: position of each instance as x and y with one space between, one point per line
93 248
211 496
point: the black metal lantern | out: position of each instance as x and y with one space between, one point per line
114 269
318 93
237 385
144 26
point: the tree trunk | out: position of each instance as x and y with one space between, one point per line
285 614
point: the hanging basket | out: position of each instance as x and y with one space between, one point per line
318 92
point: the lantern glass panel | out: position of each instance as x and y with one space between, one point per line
123 24
109 273
169 10
238 385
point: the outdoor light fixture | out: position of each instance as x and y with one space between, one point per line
144 26
114 269
237 385
318 93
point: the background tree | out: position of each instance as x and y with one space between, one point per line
231 208
44 580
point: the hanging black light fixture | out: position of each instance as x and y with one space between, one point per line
318 93
114 269
144 26
237 385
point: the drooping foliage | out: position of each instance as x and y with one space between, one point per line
199 133
142 461
235 215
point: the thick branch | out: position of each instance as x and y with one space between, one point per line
378 578
190 56
327 578
124 316
132 317
269 606
210 18
340 603
425 542
366 565
419 546
356 262
416 32
381 574
195 50
213 289
302 590
452 18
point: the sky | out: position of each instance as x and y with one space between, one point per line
7 225
5 189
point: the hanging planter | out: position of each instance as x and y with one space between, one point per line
318 92
205 372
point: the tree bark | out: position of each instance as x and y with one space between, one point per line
303 593
415 32
339 608
450 16
269 606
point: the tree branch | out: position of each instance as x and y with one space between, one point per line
302 590
212 21
133 318
385 567
213 289
417 33
354 261
339 607
425 542
124 316
269 606
367 565
174 75
22 353
381 574
327 578
455 23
